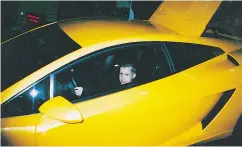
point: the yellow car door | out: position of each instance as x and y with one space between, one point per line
149 111
19 130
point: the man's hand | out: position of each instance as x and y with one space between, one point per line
78 91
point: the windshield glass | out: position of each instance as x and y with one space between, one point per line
29 52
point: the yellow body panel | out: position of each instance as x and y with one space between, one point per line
168 111
61 109
185 17
237 55
122 118
20 130
119 30
14 89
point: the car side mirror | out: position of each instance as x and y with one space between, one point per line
61 109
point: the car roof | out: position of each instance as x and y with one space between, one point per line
91 31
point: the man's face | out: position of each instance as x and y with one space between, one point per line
126 75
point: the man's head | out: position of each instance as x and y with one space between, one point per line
127 73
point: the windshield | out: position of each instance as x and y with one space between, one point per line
29 52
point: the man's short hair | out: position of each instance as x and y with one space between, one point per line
133 69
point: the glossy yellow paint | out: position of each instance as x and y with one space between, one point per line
237 54
217 71
61 109
187 18
186 137
169 110
20 130
19 86
92 30
135 108
122 118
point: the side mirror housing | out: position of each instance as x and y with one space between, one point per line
61 109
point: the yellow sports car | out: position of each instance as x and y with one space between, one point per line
113 82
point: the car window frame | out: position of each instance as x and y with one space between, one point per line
187 43
104 51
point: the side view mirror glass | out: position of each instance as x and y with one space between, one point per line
61 109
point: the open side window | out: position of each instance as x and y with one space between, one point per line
98 73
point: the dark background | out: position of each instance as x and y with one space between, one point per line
227 19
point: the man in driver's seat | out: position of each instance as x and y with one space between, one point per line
127 74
